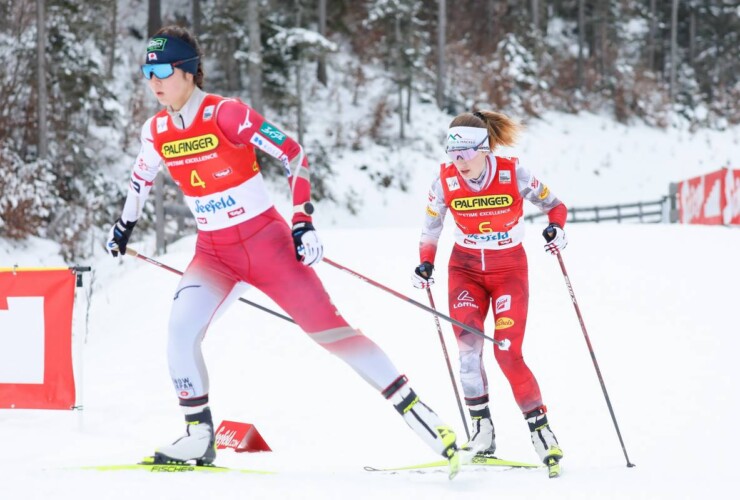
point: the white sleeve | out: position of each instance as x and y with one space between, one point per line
143 174
435 215
534 190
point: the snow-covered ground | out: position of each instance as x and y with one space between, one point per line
657 302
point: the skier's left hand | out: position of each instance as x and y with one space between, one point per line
555 238
422 276
308 247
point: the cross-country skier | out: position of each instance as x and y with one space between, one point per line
207 143
488 265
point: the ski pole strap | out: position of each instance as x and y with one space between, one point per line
389 391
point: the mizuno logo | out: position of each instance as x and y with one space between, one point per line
245 124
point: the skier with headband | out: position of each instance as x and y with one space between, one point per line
488 266
207 143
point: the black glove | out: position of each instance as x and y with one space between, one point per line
425 269
422 277
308 247
118 237
555 237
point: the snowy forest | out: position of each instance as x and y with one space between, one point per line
72 100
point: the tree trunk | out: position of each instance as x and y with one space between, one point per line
492 24
692 35
255 54
321 68
581 40
41 72
441 44
603 15
674 59
399 76
298 92
535 4
653 29
299 75
155 17
197 15
112 42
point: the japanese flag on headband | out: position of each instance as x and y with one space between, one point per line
36 338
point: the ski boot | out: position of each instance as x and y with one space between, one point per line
198 444
544 441
427 425
483 441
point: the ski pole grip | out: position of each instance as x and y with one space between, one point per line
130 251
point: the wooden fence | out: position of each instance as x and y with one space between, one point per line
662 210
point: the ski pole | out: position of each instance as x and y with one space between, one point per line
449 366
502 344
593 357
133 253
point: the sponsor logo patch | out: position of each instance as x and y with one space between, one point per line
214 205
208 112
151 56
235 213
503 303
272 132
479 202
545 192
452 183
485 237
156 44
245 124
431 213
465 300
222 173
266 146
504 177
161 124
504 323
190 146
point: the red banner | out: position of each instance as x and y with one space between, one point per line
732 190
703 200
36 338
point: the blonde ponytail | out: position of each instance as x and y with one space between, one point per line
502 130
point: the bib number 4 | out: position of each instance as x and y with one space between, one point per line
195 180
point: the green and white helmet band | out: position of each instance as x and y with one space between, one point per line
459 138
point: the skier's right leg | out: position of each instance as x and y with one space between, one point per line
468 304
203 291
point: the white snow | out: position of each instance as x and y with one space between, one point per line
657 301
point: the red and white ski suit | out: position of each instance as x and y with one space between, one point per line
488 265
208 147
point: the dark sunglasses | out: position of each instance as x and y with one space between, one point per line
162 70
